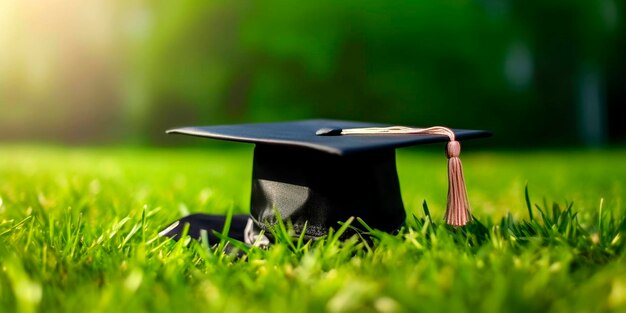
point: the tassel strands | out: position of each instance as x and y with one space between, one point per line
458 209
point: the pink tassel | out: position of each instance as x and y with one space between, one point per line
458 209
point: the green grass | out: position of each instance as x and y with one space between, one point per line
78 233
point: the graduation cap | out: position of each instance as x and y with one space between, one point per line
316 173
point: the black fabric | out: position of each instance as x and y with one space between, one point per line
320 189
302 134
210 223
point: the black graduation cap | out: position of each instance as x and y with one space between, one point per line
321 172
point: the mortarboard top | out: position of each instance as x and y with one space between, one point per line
312 174
303 134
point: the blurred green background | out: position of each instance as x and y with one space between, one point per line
536 73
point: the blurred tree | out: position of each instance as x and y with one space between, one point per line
534 72
421 63
571 41
516 67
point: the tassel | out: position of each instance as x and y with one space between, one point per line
457 209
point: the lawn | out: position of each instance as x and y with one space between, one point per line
78 233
